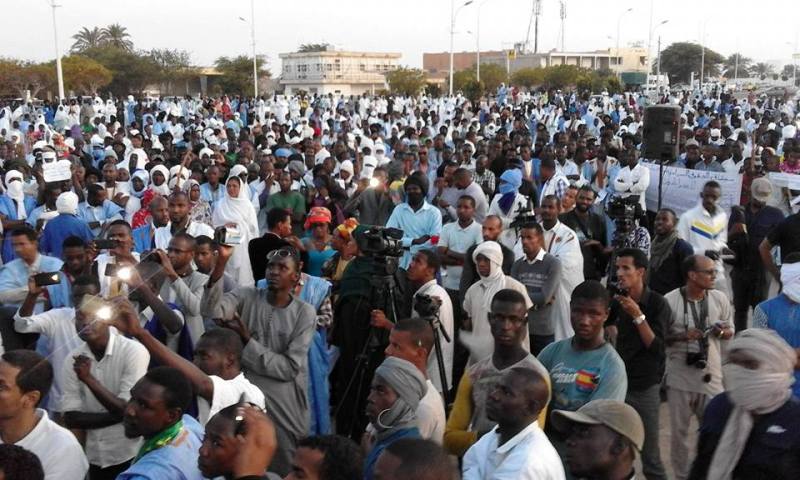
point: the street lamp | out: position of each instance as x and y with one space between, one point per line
478 43
59 71
453 14
616 52
253 42
658 58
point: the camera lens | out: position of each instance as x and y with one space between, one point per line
707 378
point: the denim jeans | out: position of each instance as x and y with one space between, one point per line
646 403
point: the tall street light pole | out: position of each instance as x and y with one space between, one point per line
253 44
59 71
616 52
658 58
453 14
477 45
703 53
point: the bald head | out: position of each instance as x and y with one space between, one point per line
492 228
533 386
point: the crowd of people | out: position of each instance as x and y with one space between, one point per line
329 287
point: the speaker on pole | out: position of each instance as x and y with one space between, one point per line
660 142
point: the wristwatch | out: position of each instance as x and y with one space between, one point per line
639 320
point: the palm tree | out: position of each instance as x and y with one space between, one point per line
87 39
116 35
763 69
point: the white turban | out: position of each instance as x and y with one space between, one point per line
752 392
162 189
347 166
237 170
67 203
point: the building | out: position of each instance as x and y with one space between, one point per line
626 60
336 71
438 64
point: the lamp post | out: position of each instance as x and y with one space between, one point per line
616 52
703 53
453 14
658 58
59 71
253 44
477 44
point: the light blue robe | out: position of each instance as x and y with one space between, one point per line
108 212
9 209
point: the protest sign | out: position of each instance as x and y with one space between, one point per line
681 188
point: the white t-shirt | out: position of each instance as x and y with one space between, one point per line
431 418
57 448
227 393
459 240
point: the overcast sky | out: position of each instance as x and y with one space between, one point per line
765 30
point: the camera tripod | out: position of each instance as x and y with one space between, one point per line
382 296
438 332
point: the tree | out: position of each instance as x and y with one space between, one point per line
731 64
528 77
175 66
17 77
406 81
433 90
788 71
313 47
762 70
461 78
83 75
561 76
680 59
492 75
131 71
87 39
117 36
237 73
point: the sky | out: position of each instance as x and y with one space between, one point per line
765 30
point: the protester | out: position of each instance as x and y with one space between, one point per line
603 437
66 224
236 213
590 227
667 253
418 219
705 228
179 222
756 410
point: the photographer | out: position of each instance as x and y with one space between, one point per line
628 233
430 300
640 316
120 233
701 318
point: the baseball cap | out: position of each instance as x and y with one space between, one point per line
761 189
618 416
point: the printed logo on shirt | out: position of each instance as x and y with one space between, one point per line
706 230
776 429
586 380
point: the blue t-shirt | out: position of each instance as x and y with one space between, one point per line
577 376
175 461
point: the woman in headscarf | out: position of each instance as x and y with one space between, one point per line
15 207
750 430
343 244
397 388
200 210
61 120
236 211
318 241
508 203
488 257
159 177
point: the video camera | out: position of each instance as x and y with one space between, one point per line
525 215
380 242
426 305
624 211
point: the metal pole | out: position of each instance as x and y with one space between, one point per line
253 38
736 68
650 42
616 52
59 71
478 46
658 67
452 26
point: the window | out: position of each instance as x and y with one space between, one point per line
362 67
319 67
328 67
338 66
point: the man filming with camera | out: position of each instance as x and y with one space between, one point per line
701 319
625 213
430 301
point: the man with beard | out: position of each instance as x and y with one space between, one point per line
667 253
156 412
590 228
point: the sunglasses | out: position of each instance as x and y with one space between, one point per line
284 252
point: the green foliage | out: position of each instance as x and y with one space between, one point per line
131 71
528 77
87 39
731 62
562 76
492 75
114 35
406 81
433 89
313 47
17 77
117 36
762 70
473 89
237 73
82 75
680 59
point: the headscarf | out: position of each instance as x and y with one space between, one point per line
661 249
409 385
238 210
297 167
510 181
317 215
187 188
144 177
141 160
162 189
790 279
67 203
496 279
14 190
346 228
752 392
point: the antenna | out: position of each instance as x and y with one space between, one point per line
536 11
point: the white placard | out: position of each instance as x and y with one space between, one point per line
681 188
57 171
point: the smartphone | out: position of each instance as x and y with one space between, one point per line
47 278
105 244
239 428
111 269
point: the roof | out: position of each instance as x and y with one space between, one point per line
340 53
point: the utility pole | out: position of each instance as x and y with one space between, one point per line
453 13
253 39
563 14
59 71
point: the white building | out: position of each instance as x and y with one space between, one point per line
335 71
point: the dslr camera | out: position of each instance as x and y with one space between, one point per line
426 305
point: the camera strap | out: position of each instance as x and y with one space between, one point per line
698 321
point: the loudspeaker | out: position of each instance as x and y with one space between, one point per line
661 133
